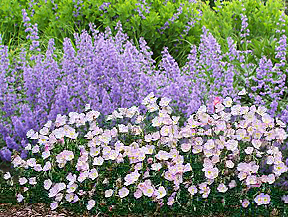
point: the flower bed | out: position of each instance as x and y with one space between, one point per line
146 162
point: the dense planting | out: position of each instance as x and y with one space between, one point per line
98 106
151 158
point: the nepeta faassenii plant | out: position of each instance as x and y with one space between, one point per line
108 72
77 161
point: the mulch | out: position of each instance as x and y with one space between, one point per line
30 210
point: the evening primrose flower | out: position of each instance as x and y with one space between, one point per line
108 193
148 191
209 144
156 166
47 166
229 163
161 192
31 162
232 184
53 205
23 181
7 175
280 168
45 154
71 188
138 193
222 188
192 189
211 173
251 180
36 149
231 144
271 178
249 150
93 174
20 198
284 198
69 197
166 130
91 204
164 102
162 155
32 181
31 134
227 102
245 203
47 184
123 192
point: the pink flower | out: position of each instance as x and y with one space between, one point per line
285 198
216 101
245 203
170 201
222 188
150 160
138 193
262 199
123 192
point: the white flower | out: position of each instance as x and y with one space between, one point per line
28 147
35 149
249 150
7 175
30 133
19 198
91 204
227 102
69 197
229 164
87 107
242 92
45 154
161 192
123 192
32 181
47 184
156 166
164 102
53 205
222 188
23 181
108 193
47 166
93 174
44 131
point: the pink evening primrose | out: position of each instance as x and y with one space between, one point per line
19 198
161 192
284 198
108 193
47 184
245 203
222 188
91 204
123 192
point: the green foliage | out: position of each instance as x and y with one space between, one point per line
58 21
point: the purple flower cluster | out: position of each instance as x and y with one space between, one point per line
33 32
208 70
193 18
144 8
77 7
173 18
108 73
104 6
